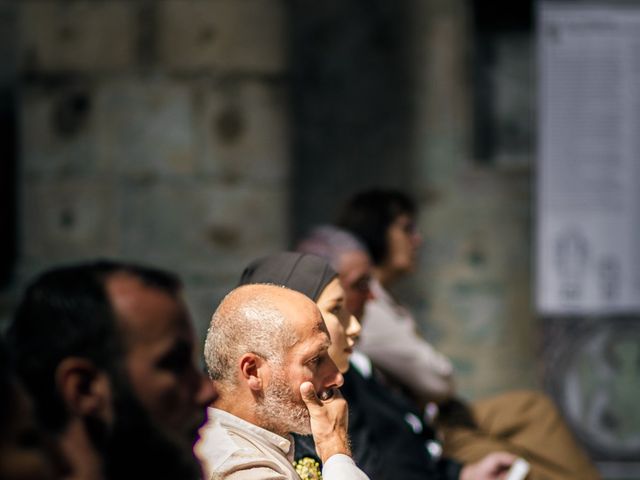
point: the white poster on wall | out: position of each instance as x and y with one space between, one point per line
588 182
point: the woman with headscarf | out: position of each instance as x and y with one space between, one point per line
389 439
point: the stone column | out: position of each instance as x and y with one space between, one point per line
472 295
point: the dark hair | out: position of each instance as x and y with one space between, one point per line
369 214
66 312
152 277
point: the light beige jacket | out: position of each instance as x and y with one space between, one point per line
231 448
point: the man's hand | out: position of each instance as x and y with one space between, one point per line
329 421
492 467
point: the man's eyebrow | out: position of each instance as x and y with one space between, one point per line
326 343
321 327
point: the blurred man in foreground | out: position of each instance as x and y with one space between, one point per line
107 351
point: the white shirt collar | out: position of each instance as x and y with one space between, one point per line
362 363
230 420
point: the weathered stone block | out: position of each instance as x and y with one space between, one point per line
78 35
130 127
58 131
201 227
67 219
246 35
146 127
476 276
244 131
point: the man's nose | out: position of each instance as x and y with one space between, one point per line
336 380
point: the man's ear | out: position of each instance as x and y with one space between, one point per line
255 371
85 389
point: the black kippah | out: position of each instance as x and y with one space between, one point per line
303 272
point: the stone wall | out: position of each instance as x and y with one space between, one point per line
154 131
198 134
160 132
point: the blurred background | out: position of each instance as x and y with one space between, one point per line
197 135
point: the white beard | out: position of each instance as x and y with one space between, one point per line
280 412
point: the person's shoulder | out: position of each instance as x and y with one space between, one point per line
376 309
216 446
229 452
244 472
226 454
380 305
223 441
243 465
379 320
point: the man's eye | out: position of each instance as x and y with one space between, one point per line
177 361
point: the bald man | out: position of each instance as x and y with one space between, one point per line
267 353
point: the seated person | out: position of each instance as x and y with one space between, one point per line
266 351
107 352
388 438
525 423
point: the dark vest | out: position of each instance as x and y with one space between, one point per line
389 440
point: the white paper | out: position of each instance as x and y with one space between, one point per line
588 185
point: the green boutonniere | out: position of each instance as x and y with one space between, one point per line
308 468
